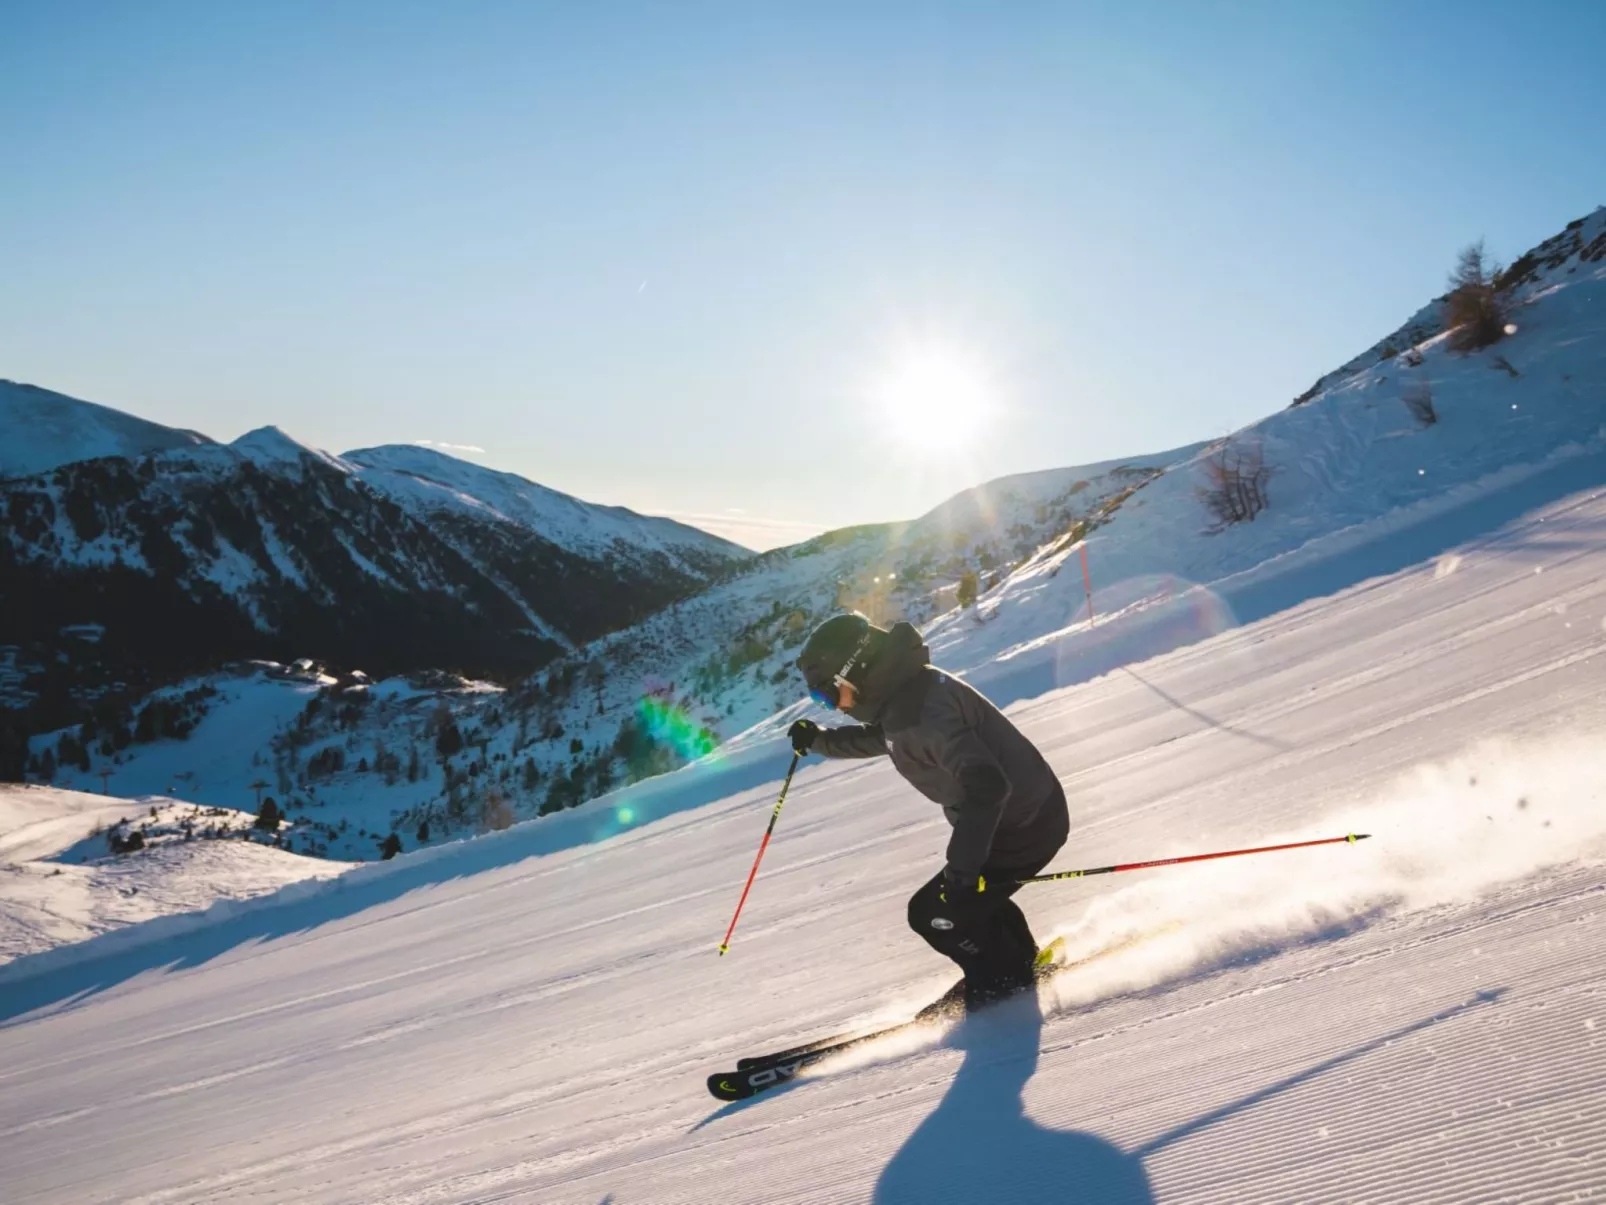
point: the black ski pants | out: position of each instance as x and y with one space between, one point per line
985 932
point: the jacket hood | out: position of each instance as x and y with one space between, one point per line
901 657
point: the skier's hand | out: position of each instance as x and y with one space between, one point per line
959 884
802 735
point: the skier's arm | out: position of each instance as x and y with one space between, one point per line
960 750
854 740
985 789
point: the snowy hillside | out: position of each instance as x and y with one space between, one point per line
60 883
433 483
44 430
1351 454
438 757
530 1016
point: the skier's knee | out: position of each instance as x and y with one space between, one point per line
923 909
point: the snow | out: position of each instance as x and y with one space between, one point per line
529 1016
428 482
45 430
273 449
59 884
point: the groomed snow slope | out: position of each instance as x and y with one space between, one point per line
529 1017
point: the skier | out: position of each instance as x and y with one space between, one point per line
1006 806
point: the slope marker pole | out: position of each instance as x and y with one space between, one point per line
762 846
1087 583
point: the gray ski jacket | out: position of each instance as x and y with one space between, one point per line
957 750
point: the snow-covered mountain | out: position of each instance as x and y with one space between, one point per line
44 430
436 485
136 566
1354 462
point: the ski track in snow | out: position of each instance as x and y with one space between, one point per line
1417 1018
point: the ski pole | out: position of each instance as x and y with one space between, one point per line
762 846
1351 838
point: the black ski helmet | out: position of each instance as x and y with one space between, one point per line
839 650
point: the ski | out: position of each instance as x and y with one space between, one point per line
759 1073
946 1005
772 1070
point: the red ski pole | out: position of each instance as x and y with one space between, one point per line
762 846
1351 838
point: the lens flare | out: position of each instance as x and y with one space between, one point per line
672 725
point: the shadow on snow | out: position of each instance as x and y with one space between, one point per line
979 1145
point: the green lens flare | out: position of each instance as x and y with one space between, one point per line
673 726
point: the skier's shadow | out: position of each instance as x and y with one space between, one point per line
979 1145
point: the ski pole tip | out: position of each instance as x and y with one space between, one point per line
722 950
1354 837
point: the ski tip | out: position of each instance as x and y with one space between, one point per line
1050 953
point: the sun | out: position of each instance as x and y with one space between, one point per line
935 399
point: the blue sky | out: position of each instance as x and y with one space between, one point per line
663 255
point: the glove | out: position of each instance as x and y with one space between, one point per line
802 735
960 884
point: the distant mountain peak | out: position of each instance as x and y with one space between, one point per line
271 446
45 430
428 480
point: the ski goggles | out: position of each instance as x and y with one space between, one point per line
827 694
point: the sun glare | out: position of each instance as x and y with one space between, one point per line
935 399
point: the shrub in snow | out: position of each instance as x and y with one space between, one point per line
121 841
389 847
1235 481
969 587
326 762
13 746
1418 398
1475 311
269 817
495 814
